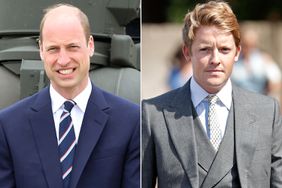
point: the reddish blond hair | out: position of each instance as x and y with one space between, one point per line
213 13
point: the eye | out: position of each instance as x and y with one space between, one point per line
205 49
225 50
74 46
52 49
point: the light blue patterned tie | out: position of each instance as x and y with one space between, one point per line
67 142
215 133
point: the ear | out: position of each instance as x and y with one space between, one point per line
186 52
91 46
40 49
238 50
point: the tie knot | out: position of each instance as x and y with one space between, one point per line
68 105
212 99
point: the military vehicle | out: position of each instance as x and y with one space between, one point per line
115 66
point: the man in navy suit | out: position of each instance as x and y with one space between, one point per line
105 128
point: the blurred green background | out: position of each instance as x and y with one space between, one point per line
158 11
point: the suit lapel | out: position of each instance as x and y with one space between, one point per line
181 130
94 121
245 134
42 123
206 153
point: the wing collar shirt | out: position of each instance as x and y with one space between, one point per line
77 113
223 105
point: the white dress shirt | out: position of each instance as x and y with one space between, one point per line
223 105
77 113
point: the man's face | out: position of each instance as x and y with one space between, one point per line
212 54
66 53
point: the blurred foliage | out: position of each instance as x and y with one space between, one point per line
175 10
244 9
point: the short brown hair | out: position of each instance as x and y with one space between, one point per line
82 17
213 13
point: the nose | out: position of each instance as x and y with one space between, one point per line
63 58
215 57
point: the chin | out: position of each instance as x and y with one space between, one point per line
216 85
66 84
215 81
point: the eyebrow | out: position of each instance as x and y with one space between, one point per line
56 45
221 42
74 43
51 46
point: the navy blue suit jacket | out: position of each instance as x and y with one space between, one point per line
107 153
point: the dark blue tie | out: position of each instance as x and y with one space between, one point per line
67 142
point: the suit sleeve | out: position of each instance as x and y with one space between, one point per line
131 176
148 154
6 167
276 155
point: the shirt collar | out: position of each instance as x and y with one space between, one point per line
225 94
198 94
58 100
80 99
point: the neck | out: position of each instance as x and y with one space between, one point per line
70 92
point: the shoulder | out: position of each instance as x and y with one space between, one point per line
167 99
163 100
259 104
115 103
122 115
250 97
114 100
16 117
22 106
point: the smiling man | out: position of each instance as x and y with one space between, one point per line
71 133
65 50
210 133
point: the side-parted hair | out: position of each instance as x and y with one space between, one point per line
213 13
81 16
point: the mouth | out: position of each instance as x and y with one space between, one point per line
66 71
215 71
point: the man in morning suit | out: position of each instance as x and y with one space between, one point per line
210 133
71 134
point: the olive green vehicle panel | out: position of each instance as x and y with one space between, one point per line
115 66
